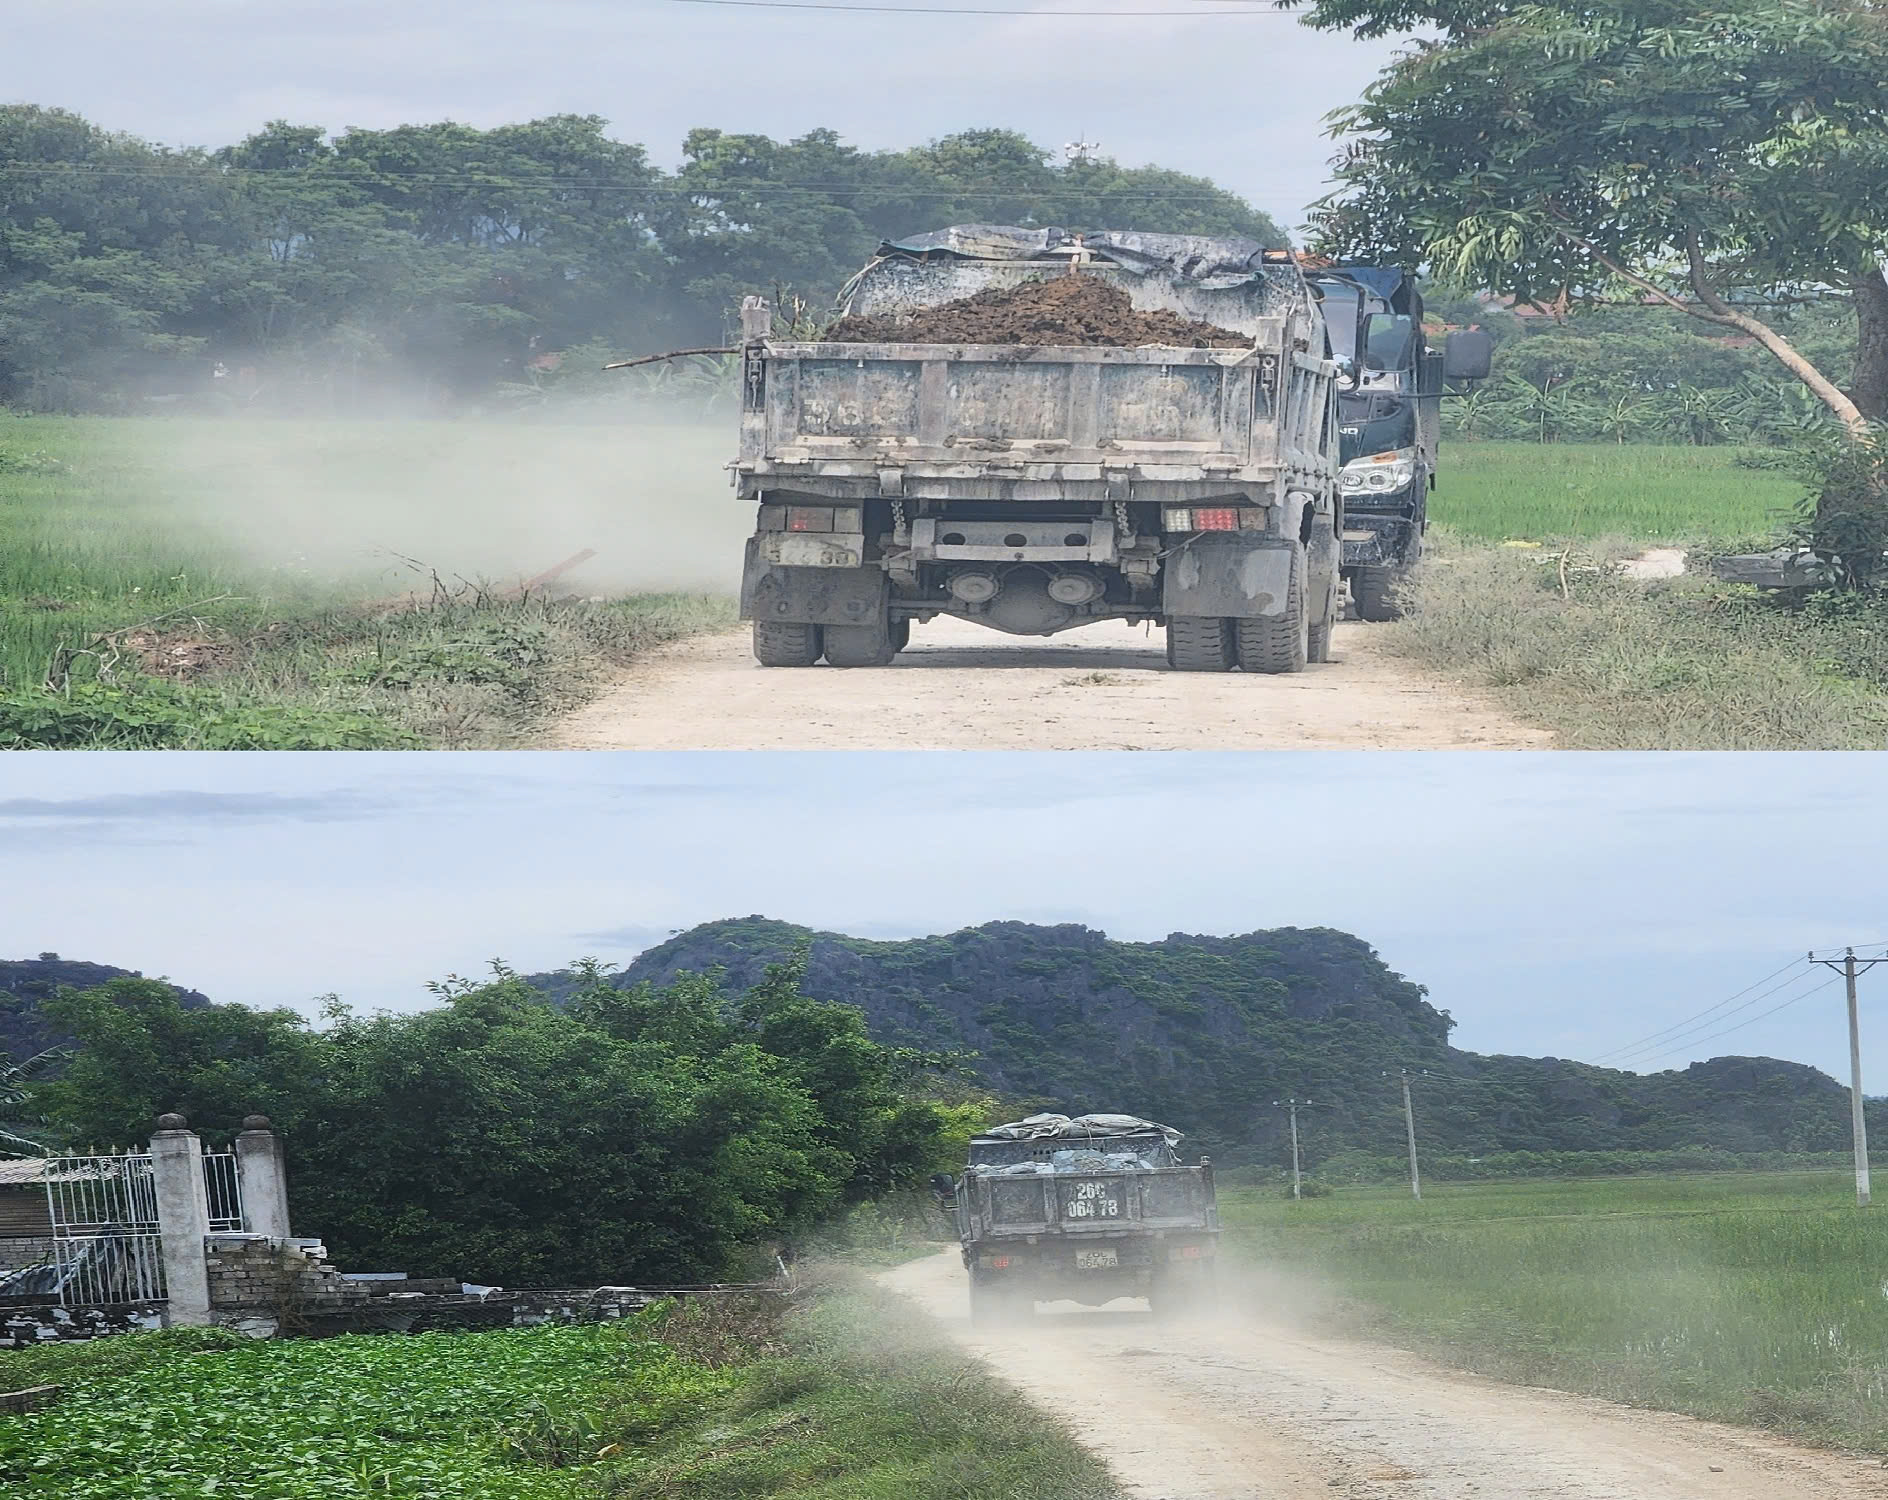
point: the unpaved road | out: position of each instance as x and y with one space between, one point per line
1236 1411
962 687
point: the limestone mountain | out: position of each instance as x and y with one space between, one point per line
1207 1032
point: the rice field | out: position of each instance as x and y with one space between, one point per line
1746 1297
1579 491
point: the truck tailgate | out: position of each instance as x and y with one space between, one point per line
968 404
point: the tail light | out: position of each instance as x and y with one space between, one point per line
1212 517
809 518
999 1262
1189 1252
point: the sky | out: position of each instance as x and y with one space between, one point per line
1555 904
1234 90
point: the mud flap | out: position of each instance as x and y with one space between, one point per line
1228 575
811 596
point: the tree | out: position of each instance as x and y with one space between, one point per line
1708 160
640 1133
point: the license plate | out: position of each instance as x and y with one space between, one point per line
1096 1260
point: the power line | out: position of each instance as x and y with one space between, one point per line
1701 1015
1751 1021
1686 1036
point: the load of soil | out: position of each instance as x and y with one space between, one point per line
1067 310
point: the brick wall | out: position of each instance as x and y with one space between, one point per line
265 1286
24 1250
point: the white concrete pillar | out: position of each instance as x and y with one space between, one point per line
183 1219
261 1169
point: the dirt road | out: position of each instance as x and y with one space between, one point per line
962 687
1241 1411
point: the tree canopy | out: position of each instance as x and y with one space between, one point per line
625 1134
1714 160
316 271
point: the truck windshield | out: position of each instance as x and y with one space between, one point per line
1387 342
1340 317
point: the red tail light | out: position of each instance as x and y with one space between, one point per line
809 518
1215 518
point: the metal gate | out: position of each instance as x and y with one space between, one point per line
223 1191
105 1243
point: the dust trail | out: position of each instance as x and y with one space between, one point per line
473 499
1251 1407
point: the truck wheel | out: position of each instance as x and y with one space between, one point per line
1199 643
990 1306
781 645
860 645
1281 642
901 633
1373 590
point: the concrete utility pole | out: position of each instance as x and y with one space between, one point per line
1409 1127
1848 966
1297 1177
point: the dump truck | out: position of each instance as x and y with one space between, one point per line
1085 1209
1053 476
1390 385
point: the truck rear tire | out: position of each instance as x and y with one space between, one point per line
1199 643
1373 591
901 633
1281 642
860 645
777 644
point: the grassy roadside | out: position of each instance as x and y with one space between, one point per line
1611 663
1748 1298
287 585
1503 491
850 1395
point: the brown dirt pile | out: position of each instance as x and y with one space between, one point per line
1070 310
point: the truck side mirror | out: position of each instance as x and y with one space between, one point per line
1468 354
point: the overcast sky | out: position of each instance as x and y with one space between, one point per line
1234 92
1555 904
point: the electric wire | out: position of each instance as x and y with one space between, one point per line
1685 1037
1750 1021
1699 1016
953 10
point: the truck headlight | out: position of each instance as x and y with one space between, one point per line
1380 473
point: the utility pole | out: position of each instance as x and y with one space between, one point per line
1409 1127
1848 966
1297 1177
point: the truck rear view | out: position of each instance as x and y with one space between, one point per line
1085 1210
1035 431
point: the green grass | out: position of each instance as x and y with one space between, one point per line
259 550
853 1396
1610 663
1751 1298
1541 492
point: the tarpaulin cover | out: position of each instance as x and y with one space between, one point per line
1188 257
1081 1127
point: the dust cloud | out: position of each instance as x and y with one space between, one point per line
386 505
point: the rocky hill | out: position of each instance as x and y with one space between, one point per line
26 982
1207 1032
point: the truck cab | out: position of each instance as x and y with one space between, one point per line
1389 394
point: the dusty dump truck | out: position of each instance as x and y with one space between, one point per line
1085 1210
1034 431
